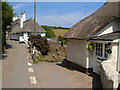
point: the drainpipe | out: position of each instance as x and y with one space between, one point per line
118 62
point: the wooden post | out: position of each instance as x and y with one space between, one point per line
35 17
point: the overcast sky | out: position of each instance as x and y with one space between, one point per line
57 13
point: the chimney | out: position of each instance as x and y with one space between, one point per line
24 16
15 17
21 20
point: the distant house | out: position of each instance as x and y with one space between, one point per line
102 30
22 28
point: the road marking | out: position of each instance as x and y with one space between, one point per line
30 69
33 80
29 64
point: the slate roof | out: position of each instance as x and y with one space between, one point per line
108 37
92 24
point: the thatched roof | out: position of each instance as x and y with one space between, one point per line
15 22
90 25
28 26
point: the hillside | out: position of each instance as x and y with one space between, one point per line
59 32
53 31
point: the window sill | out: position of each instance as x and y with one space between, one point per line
101 59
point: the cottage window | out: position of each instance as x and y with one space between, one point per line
106 50
99 47
102 50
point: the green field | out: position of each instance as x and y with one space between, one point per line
59 32
53 31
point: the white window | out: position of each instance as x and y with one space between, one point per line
106 50
102 50
99 49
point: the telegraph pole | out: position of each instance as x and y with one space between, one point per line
35 17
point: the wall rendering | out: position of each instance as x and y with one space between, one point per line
77 52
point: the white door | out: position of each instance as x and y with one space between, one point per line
96 64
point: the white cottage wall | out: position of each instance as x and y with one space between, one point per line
42 34
90 58
21 38
114 55
25 37
77 52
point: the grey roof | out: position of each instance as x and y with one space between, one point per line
108 37
28 26
90 25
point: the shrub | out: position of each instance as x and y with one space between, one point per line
40 43
90 46
62 40
50 34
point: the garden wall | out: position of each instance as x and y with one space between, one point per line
108 75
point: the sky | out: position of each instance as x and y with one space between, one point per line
65 14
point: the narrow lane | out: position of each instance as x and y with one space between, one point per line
18 74
52 75
14 67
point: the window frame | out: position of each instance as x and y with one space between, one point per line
101 54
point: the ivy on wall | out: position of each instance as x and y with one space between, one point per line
90 46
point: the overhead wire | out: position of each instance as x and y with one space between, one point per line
57 16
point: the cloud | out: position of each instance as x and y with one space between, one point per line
17 6
67 20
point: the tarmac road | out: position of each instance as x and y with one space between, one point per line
14 66
18 74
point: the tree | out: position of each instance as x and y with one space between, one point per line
49 32
7 14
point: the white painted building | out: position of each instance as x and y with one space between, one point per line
101 31
22 28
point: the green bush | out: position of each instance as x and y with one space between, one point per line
90 46
40 43
62 40
50 34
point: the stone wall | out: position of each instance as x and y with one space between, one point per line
108 75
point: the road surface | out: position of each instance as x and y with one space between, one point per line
14 66
17 73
